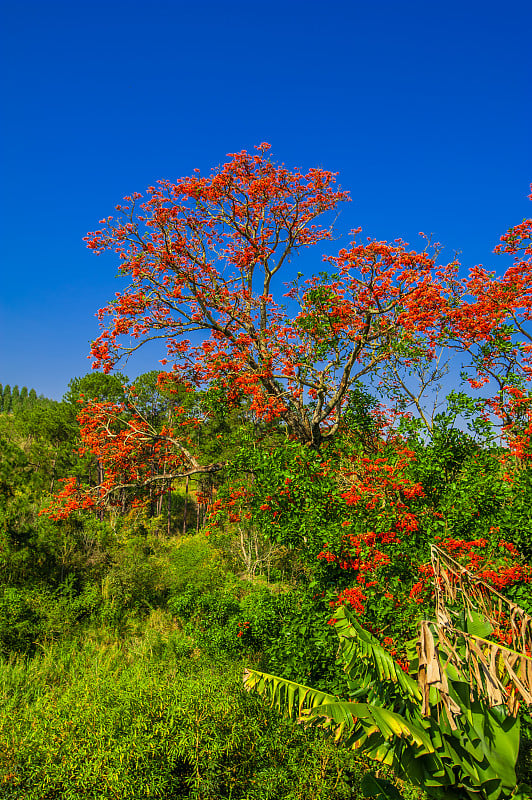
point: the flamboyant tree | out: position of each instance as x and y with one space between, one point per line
138 454
493 327
205 257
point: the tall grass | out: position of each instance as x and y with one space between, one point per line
152 718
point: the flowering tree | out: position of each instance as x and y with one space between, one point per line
493 329
203 256
137 459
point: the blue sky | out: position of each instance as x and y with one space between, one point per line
424 109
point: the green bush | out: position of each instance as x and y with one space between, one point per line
305 648
19 622
135 578
29 615
194 565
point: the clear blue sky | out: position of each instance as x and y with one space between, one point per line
424 108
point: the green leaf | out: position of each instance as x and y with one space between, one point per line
477 625
288 697
379 788
357 723
357 643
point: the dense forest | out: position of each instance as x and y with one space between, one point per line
290 524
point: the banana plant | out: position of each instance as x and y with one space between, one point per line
434 726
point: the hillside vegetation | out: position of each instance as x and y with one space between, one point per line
124 634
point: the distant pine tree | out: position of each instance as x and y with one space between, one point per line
1 398
24 396
7 398
15 397
32 397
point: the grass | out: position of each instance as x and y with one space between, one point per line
151 717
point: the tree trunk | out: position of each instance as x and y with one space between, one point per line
185 507
197 516
100 481
169 510
53 477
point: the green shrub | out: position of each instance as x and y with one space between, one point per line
305 647
194 564
29 615
135 579
19 622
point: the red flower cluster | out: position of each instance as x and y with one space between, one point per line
381 487
501 568
353 597
128 452
243 628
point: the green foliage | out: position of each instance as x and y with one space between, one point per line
152 401
47 434
93 722
133 580
379 788
6 401
305 647
235 618
450 755
19 621
196 565
477 493
32 615
171 606
514 517
15 398
263 617
96 385
290 498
